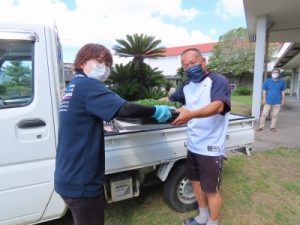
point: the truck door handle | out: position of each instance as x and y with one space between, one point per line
31 123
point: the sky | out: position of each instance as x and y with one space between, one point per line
174 22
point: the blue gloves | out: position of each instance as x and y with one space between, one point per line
162 113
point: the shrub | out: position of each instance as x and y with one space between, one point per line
154 93
242 91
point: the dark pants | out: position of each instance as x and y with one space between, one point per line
206 169
86 211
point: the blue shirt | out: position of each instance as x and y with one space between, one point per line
274 89
206 136
80 158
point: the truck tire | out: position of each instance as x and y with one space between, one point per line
178 191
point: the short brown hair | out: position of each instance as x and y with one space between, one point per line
92 51
196 50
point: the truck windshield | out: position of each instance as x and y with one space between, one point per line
15 73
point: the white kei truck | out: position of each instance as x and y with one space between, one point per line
31 85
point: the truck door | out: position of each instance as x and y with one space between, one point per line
27 140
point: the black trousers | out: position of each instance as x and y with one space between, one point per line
86 211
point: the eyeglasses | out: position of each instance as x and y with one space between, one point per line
100 60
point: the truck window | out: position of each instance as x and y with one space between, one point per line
60 64
16 86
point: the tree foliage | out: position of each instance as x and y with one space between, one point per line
18 74
234 54
2 89
139 46
133 84
17 79
137 80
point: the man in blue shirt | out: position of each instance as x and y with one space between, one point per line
206 96
273 97
80 158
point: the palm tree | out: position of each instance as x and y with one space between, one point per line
182 76
132 85
139 46
123 82
137 78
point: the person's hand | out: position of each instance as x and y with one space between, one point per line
283 102
183 117
263 102
162 113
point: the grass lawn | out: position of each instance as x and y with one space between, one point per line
242 99
261 189
241 104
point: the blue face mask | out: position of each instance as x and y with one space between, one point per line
195 73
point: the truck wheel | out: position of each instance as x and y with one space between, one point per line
178 191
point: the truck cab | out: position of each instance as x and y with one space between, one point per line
31 81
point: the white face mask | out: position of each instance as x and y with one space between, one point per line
99 71
275 75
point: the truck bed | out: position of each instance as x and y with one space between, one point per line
132 146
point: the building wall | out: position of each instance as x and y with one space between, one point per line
168 65
240 82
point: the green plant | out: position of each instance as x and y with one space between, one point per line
182 76
140 75
242 91
168 85
154 93
133 84
150 102
139 46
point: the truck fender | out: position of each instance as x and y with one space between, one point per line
164 170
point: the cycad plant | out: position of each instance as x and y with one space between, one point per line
132 85
139 46
135 80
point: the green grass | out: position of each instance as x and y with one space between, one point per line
241 104
263 189
242 99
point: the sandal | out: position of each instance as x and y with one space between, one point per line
273 129
259 129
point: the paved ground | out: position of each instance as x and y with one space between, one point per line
288 129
